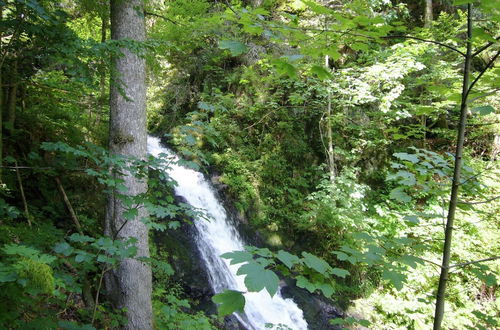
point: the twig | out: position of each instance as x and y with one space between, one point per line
490 63
474 262
477 52
97 294
429 261
426 40
161 16
228 5
68 205
483 95
25 203
383 37
262 118
482 202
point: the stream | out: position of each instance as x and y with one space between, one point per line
218 236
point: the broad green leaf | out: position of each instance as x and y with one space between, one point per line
341 255
81 238
480 33
238 257
399 195
316 263
235 47
321 72
333 52
82 257
409 157
412 219
257 278
327 289
340 272
284 67
395 278
229 302
287 258
304 283
411 261
63 248
484 110
360 46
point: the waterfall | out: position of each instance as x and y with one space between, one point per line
217 236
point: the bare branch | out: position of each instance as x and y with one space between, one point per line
148 13
490 64
486 46
482 202
474 262
426 40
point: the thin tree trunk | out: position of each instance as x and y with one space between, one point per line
68 205
11 106
445 267
23 197
102 82
329 134
428 17
129 285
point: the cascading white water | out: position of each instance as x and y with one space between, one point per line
217 236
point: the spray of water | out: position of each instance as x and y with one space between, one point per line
219 236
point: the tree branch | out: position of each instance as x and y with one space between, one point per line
429 261
490 63
426 40
477 52
161 16
482 202
474 262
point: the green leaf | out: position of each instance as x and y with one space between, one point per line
405 156
395 278
304 283
327 289
480 33
130 214
283 67
360 46
257 278
287 258
316 263
341 255
238 257
63 248
484 110
412 219
340 272
81 238
229 302
400 195
321 72
235 47
411 261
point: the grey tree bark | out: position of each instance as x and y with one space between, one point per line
428 17
129 284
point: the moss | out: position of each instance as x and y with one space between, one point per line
39 275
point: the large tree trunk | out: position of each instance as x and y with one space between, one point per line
1 98
129 285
